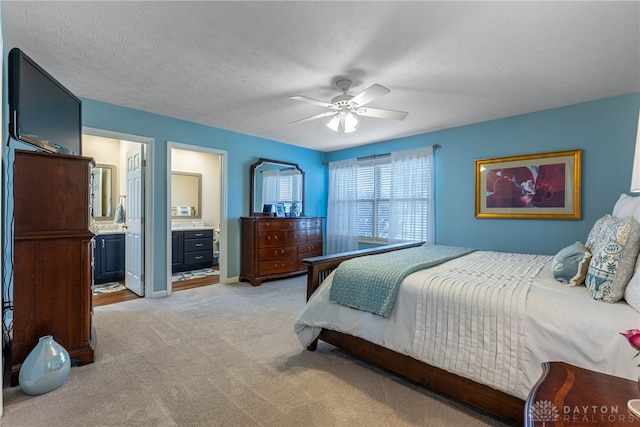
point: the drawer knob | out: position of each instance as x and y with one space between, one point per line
199 234
199 244
200 257
282 251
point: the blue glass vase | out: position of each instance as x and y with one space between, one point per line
46 367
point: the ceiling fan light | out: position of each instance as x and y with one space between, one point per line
350 123
333 124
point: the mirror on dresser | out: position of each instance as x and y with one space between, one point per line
186 195
275 182
103 191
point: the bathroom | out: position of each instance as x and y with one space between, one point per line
195 197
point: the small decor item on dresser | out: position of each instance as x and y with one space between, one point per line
296 209
46 367
633 336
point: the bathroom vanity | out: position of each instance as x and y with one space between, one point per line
192 249
108 258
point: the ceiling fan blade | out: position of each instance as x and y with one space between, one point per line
382 114
310 101
317 116
374 91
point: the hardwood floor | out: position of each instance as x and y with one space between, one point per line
113 297
195 283
126 295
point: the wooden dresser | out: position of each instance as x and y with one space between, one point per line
274 247
52 256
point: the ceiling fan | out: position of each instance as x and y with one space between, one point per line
344 107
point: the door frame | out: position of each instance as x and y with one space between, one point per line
148 192
222 255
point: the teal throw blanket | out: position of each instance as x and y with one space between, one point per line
370 283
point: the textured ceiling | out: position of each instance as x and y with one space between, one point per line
233 65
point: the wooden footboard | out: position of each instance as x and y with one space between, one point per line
488 399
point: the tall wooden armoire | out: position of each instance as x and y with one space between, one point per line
52 255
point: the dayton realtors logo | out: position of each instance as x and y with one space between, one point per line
544 411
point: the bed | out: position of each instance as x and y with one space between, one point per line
431 338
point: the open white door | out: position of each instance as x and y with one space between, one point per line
134 248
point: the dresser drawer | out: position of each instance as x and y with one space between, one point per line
278 253
295 237
285 265
310 250
271 238
195 258
191 245
198 234
314 235
278 225
313 223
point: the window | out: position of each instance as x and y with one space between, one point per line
383 199
373 193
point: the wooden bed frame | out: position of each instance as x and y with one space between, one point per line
488 399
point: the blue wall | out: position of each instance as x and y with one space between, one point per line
605 130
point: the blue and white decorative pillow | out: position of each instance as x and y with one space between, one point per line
614 244
570 265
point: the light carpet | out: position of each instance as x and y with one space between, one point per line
226 355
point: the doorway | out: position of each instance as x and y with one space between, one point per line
206 210
122 236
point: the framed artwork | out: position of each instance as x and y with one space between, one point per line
535 186
280 209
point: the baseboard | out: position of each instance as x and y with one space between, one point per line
159 294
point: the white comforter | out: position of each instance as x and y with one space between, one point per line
554 322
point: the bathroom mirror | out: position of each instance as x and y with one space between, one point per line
276 182
103 191
186 195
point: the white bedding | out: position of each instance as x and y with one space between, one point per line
558 323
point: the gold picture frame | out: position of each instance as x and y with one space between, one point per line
534 186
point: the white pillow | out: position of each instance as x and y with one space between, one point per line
626 206
632 293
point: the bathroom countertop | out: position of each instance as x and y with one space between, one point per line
108 228
103 232
190 227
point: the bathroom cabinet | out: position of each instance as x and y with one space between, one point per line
52 256
191 249
108 258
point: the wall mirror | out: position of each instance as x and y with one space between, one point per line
276 182
103 191
186 195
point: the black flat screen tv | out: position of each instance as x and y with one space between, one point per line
42 112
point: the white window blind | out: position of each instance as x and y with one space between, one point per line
411 204
283 185
393 199
373 192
